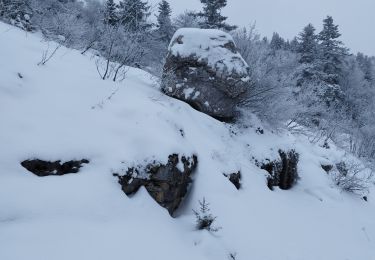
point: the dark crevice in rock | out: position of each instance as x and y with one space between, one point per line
166 183
282 173
327 168
234 178
46 168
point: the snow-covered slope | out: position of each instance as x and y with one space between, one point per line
61 111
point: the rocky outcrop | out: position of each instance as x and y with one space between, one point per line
46 168
204 69
234 178
282 173
167 184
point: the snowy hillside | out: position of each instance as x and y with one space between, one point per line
63 111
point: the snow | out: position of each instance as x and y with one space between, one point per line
50 113
208 45
188 92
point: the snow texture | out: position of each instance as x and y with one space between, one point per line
51 112
213 46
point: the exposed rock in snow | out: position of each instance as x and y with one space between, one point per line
283 172
46 168
167 184
204 69
234 178
327 167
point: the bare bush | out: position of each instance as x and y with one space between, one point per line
48 54
119 48
352 177
271 78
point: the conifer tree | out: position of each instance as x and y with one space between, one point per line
110 16
332 51
308 46
277 42
308 50
165 27
133 15
212 15
204 218
294 45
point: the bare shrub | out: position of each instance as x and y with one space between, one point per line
352 177
48 54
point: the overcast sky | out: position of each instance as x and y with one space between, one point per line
356 18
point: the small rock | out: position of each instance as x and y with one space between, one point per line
327 168
45 168
259 131
235 178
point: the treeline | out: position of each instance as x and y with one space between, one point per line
309 82
313 81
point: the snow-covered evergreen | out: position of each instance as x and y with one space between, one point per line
133 15
165 28
110 13
212 17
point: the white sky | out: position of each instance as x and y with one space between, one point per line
356 18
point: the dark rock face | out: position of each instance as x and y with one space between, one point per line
204 69
235 178
327 168
45 168
166 184
282 173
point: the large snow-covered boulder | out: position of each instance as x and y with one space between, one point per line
204 69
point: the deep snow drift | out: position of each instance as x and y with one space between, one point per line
61 111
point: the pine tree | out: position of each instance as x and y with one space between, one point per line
308 50
204 218
294 45
212 15
332 51
308 45
277 42
133 15
110 16
165 28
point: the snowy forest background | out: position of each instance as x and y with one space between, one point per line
310 83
